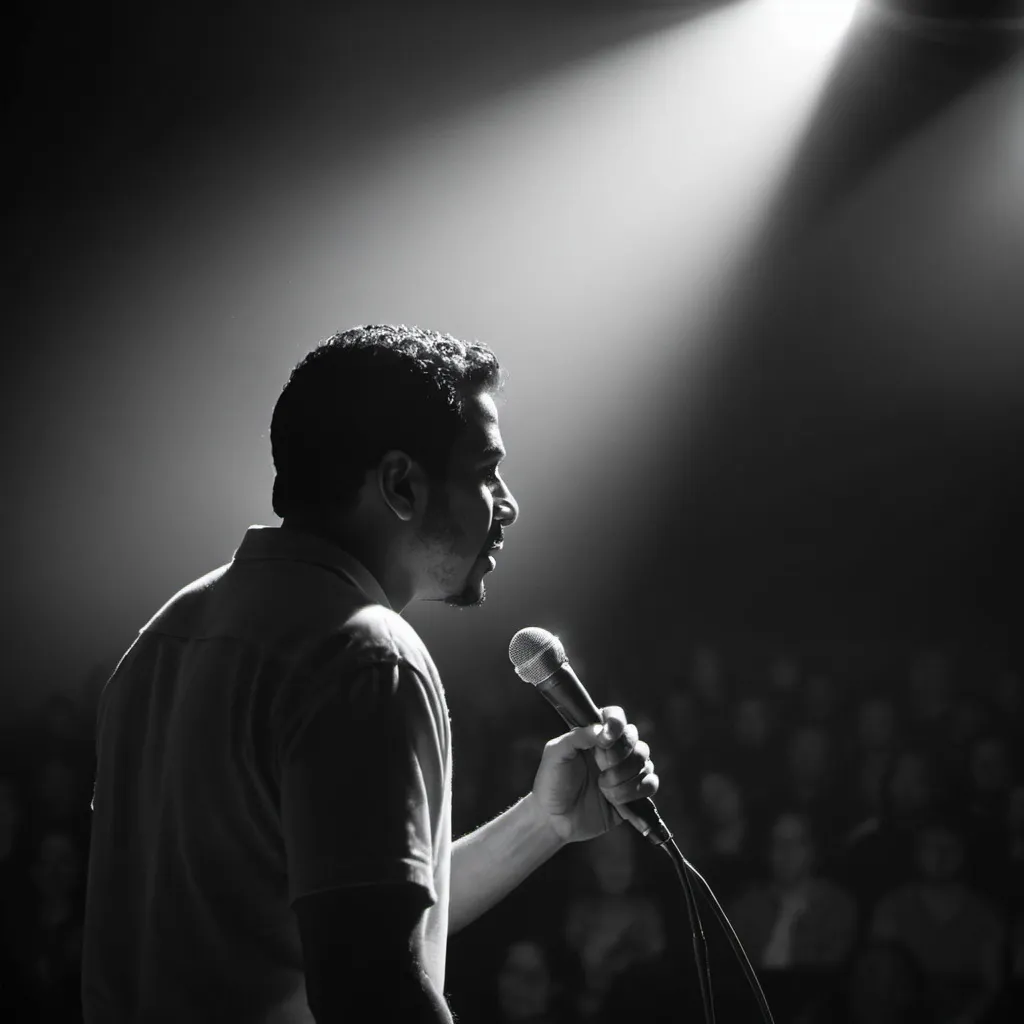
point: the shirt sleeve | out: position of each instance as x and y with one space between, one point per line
356 785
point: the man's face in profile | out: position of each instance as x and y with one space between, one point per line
468 512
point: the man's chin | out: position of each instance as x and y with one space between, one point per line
469 597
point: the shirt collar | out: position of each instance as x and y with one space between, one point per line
262 542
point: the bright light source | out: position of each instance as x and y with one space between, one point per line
812 24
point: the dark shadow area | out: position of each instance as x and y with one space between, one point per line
117 99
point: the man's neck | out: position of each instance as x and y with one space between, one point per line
371 557
330 532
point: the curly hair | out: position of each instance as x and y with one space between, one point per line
366 391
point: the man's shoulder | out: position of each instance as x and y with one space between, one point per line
372 654
185 605
373 632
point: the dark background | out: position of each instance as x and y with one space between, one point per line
845 468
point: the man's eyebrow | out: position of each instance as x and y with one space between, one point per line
493 451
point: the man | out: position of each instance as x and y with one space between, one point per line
271 829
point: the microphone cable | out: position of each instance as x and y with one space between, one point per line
687 874
700 945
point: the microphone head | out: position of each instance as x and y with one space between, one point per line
536 654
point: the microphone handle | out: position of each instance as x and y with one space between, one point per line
568 696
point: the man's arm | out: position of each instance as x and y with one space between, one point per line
489 863
363 958
574 798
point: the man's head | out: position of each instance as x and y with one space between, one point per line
386 439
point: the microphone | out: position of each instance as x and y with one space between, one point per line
539 659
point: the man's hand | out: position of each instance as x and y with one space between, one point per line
586 776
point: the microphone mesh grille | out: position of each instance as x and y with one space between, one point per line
536 654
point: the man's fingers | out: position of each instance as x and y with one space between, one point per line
615 744
643 785
619 750
638 763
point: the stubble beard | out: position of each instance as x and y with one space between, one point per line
442 535
467 598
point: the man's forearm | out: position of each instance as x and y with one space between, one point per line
489 863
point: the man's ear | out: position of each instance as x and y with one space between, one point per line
402 484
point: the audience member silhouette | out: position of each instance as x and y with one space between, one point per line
952 933
797 918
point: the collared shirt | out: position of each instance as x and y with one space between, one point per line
242 764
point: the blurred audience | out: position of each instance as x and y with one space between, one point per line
867 841
15 908
54 945
884 986
797 919
681 751
873 752
753 747
823 701
708 683
991 776
811 785
1011 850
527 990
930 698
1008 702
723 843
12 814
951 931
878 853
970 719
784 677
615 926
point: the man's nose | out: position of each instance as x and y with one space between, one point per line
506 509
